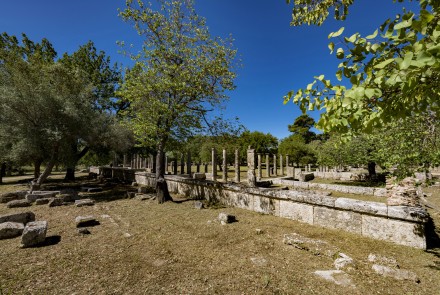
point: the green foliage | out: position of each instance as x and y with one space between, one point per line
179 76
298 150
302 126
264 143
393 73
316 12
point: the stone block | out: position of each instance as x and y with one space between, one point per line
198 205
306 177
68 197
55 202
240 200
291 172
296 211
42 201
319 199
226 218
266 205
361 206
18 204
9 230
84 221
23 218
396 231
84 202
34 233
417 214
40 195
345 220
200 176
12 196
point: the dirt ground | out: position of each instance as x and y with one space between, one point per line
141 247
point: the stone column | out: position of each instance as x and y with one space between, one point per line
251 177
182 164
175 167
124 164
237 166
225 167
275 165
287 161
281 166
166 164
260 170
188 163
214 164
267 166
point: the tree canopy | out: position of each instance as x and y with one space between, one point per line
393 73
180 75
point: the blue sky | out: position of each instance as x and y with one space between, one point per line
276 57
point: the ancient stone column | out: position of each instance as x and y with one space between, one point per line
267 166
281 166
237 166
188 163
225 167
251 177
175 167
214 164
275 165
260 170
166 164
124 164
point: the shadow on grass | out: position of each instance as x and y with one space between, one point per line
49 241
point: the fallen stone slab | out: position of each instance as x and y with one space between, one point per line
398 274
43 201
40 195
23 218
84 221
55 202
84 202
344 262
91 189
305 177
200 176
226 218
338 277
68 197
12 196
9 230
18 204
34 233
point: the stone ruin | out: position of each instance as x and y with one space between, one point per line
403 193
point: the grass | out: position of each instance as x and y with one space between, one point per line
146 248
350 183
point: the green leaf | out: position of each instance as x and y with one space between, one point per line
340 53
407 60
403 24
384 63
372 36
336 34
331 46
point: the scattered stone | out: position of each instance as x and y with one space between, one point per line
55 202
34 233
316 247
10 230
403 193
18 203
40 195
398 274
42 201
12 196
68 197
259 261
23 218
259 231
226 218
84 202
127 235
84 231
344 262
144 197
391 262
306 177
84 221
198 205
134 183
131 195
91 189
335 276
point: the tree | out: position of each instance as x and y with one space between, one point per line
393 73
298 150
302 126
180 74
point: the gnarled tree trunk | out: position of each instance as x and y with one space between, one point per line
37 168
2 171
70 170
43 176
163 195
372 170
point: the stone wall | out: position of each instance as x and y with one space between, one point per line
398 224
359 190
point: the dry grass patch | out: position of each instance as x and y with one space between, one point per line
146 248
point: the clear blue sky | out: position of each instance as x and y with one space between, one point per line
276 57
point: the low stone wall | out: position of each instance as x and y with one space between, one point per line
397 224
335 175
359 190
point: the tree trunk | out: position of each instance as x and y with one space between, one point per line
163 195
70 171
70 174
43 176
372 170
2 172
37 168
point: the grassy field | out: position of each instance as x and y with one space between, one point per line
141 247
